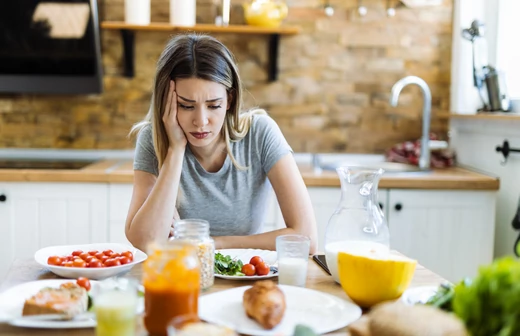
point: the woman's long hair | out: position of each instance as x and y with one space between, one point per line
204 57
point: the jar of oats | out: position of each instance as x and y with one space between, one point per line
197 231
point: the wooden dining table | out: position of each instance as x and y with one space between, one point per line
23 271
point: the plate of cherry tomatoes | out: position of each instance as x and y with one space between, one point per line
93 261
254 264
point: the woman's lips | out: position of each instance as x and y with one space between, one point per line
200 135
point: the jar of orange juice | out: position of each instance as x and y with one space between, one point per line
171 279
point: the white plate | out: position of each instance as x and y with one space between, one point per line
245 256
12 300
419 294
43 254
320 311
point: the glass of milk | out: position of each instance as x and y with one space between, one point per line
293 257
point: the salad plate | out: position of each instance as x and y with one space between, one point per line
244 257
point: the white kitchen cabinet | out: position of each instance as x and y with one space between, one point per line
449 232
34 215
119 197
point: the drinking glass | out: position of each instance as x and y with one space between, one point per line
115 305
293 257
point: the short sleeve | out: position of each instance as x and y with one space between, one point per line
271 143
144 155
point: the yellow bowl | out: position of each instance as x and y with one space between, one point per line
369 279
265 13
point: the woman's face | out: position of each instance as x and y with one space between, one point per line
201 109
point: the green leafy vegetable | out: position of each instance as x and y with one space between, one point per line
443 298
225 265
303 330
490 304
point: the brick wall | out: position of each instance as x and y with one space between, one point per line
331 96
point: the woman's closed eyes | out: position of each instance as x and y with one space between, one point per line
188 107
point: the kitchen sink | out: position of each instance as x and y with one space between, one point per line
43 164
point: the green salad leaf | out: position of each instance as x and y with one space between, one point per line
489 304
443 298
225 265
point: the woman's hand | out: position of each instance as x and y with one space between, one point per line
176 136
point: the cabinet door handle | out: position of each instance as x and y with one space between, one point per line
398 207
3 198
381 205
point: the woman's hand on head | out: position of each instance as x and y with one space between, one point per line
176 136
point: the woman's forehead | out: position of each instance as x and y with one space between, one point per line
199 89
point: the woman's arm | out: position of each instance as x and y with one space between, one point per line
296 207
152 207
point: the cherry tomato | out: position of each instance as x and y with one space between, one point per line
123 260
92 252
248 269
99 255
70 258
108 252
89 258
104 259
112 262
83 282
262 269
128 254
255 260
95 263
84 255
114 255
79 263
54 260
69 264
76 253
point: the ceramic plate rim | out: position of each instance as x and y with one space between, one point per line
245 277
89 323
356 314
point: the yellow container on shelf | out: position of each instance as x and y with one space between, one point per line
265 13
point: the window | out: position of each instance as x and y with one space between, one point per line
508 47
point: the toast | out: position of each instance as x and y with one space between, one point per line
69 299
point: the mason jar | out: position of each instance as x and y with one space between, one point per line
197 231
171 280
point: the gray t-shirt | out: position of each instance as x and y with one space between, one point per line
234 201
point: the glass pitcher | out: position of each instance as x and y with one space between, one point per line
357 224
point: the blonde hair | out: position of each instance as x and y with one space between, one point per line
204 57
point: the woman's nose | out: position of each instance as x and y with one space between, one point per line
200 118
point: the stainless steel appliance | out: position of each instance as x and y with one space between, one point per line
489 82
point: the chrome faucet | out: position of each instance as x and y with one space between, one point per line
424 159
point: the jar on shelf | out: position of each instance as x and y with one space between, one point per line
171 280
197 231
358 224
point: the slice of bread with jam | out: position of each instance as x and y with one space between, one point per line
69 299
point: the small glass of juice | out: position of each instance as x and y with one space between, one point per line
115 305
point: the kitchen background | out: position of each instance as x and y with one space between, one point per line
331 96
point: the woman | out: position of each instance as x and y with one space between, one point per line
198 156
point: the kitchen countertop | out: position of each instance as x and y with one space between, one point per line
120 171
28 270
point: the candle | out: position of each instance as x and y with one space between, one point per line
183 12
137 12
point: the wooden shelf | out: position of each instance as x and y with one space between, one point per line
487 116
209 28
128 37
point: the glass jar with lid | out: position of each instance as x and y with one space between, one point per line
171 279
197 231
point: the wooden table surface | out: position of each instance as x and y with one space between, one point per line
28 270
